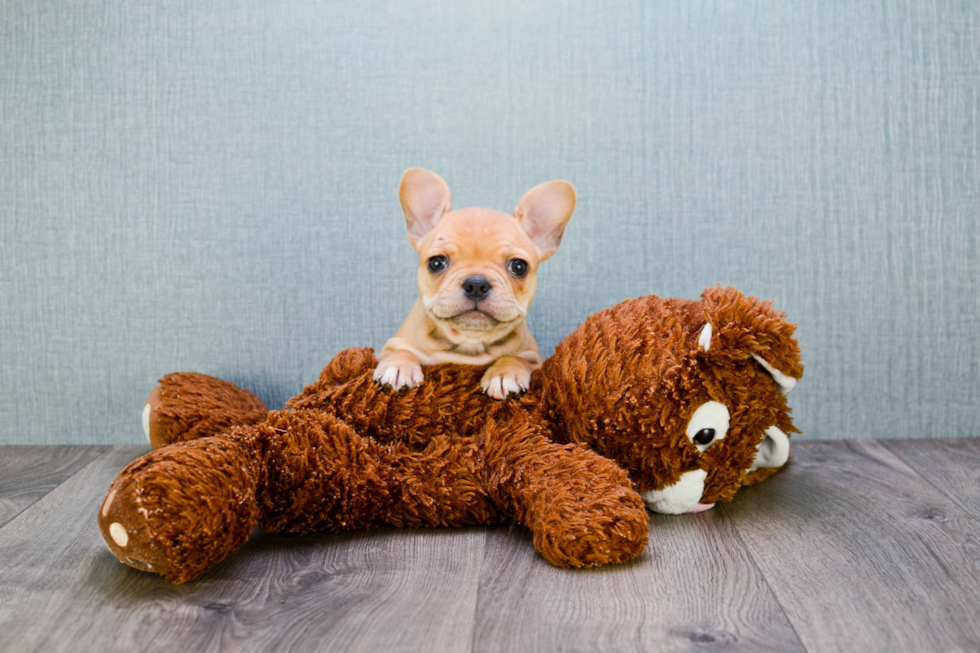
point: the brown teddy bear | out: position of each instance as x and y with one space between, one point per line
667 402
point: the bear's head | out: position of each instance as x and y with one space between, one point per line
689 396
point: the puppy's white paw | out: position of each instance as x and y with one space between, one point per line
399 374
503 381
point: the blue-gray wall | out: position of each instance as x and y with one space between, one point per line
211 186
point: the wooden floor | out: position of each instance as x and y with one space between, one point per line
856 546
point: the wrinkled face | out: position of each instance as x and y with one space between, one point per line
477 270
477 266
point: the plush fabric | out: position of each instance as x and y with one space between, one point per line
187 405
606 420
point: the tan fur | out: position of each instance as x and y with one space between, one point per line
445 326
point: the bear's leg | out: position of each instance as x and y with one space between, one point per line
580 506
187 406
323 476
181 509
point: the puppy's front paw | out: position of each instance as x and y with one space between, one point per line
505 378
398 374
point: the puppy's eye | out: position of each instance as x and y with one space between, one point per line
704 436
438 264
517 267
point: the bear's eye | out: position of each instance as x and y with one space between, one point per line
438 264
704 436
517 267
708 425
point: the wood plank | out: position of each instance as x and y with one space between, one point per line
380 590
60 589
951 465
27 473
862 553
694 588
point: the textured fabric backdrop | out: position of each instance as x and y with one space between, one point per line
211 186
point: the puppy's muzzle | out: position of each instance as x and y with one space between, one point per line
476 288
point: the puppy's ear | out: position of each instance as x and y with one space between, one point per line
425 198
544 211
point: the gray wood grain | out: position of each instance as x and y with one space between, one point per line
60 589
27 473
850 548
952 466
695 588
862 553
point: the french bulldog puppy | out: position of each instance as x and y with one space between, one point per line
477 273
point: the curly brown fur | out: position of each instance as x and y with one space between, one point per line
322 475
185 507
580 506
603 419
187 405
634 374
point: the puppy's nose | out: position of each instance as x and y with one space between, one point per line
476 288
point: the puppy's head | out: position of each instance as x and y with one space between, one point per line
477 267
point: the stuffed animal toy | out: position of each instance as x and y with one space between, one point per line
662 403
